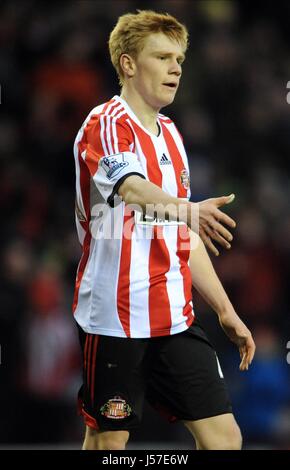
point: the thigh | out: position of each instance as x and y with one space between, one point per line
105 440
112 395
216 433
186 381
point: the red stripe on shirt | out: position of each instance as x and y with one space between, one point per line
92 133
123 292
125 136
91 155
159 304
183 252
153 171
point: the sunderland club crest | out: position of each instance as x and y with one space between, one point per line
116 408
184 178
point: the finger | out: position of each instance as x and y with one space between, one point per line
244 363
244 357
217 237
247 352
208 243
241 351
224 218
221 230
251 348
221 201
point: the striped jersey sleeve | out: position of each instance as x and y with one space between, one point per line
108 156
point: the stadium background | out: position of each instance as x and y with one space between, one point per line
233 113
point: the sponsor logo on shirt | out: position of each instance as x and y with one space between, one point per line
164 160
113 164
116 408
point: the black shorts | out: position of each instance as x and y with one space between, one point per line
179 375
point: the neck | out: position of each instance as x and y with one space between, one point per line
144 112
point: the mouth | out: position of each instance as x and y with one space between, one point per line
171 85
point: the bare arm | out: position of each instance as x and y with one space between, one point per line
207 283
136 190
203 217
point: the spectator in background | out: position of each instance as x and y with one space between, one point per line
16 260
51 369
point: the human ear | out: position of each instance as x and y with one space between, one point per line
128 65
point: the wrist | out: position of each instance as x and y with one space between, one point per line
226 310
191 215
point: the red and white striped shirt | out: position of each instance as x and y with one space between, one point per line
133 279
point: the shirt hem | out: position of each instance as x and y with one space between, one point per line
138 334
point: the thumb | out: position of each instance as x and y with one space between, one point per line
220 201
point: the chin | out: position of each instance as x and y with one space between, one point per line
165 102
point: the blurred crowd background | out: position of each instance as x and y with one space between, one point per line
232 111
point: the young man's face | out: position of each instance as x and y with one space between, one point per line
158 70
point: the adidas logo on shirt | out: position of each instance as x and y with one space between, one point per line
164 160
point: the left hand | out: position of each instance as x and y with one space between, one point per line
237 331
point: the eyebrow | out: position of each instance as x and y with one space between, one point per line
168 54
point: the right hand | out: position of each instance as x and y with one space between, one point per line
211 221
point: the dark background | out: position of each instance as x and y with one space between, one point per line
232 111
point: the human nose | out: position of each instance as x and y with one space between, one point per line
175 68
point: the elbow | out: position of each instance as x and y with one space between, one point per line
126 193
128 196
129 190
